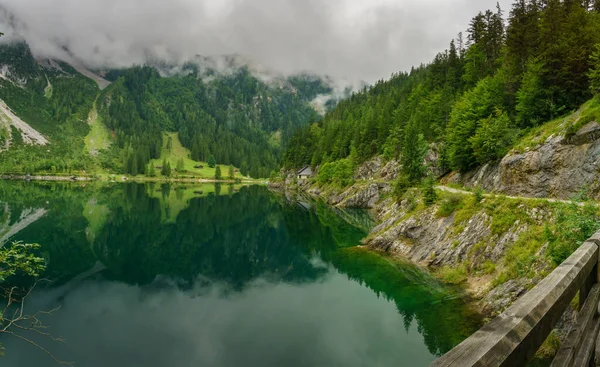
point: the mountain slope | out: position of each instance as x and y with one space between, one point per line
235 116
53 100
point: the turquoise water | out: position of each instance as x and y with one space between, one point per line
166 275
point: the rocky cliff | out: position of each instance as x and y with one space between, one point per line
561 166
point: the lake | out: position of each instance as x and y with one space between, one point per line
215 275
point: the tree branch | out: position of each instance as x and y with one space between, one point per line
39 347
31 322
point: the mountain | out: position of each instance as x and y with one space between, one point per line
58 116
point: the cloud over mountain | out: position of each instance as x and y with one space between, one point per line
358 40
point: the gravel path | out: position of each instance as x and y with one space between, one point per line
550 200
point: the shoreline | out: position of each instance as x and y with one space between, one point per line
472 289
122 178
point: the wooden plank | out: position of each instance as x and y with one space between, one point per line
572 343
587 350
587 286
512 338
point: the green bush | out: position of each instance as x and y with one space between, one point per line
450 275
401 185
339 173
573 226
449 205
478 194
488 267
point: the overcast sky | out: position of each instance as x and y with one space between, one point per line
352 39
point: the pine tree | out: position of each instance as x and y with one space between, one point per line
533 104
212 162
151 170
429 194
231 173
413 152
594 73
168 170
218 173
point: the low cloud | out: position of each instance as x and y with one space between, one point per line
356 40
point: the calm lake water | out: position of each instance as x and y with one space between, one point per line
160 275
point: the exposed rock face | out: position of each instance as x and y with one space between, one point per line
366 197
559 168
430 240
369 169
358 196
375 169
432 161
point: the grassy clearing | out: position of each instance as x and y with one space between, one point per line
99 136
570 124
178 152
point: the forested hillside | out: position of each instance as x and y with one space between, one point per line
236 118
510 73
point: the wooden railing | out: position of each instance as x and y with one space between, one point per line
513 338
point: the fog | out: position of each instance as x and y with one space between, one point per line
351 39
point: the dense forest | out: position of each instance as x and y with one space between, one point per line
235 117
508 74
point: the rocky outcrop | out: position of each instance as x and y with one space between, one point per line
360 196
377 169
559 168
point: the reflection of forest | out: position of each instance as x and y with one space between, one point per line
228 235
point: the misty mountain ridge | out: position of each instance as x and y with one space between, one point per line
218 107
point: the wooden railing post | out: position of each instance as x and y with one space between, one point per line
513 337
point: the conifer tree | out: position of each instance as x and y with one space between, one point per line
413 152
594 73
212 162
151 170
